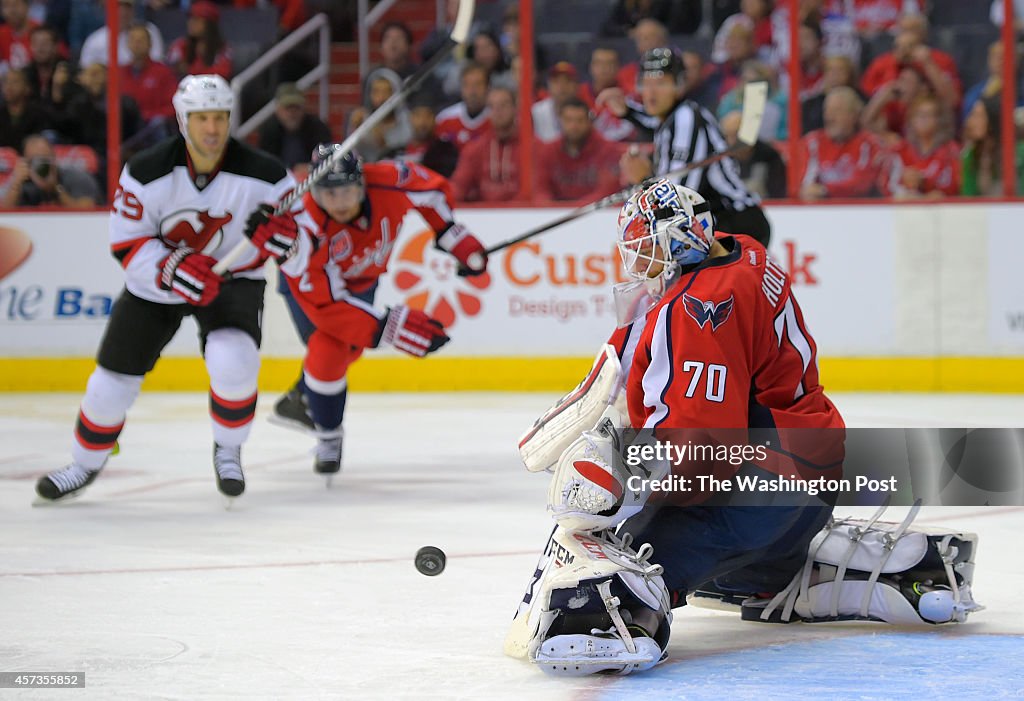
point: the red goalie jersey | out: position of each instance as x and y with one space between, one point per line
347 259
727 348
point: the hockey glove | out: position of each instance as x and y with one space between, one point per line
466 249
411 331
275 234
190 275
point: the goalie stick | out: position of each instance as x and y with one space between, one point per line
755 97
458 36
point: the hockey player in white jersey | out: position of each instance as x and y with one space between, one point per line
180 206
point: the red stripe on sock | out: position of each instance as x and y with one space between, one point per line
233 403
96 427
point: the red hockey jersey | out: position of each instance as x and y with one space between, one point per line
849 169
347 259
454 124
727 348
938 171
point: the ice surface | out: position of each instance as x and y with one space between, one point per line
152 589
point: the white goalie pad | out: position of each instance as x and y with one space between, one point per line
871 570
574 413
577 615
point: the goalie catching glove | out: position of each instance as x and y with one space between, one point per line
275 235
591 488
411 331
465 248
190 275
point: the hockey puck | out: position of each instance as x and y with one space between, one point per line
430 560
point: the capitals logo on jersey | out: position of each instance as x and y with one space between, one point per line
200 231
702 312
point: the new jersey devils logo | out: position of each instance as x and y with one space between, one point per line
200 231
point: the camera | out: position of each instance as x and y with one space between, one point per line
42 167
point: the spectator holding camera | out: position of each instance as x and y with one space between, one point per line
37 180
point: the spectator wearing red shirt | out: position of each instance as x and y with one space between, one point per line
909 47
150 83
488 169
14 35
839 160
812 60
927 163
886 112
202 49
465 121
581 164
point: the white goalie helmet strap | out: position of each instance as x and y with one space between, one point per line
201 93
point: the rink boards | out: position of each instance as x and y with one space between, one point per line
911 297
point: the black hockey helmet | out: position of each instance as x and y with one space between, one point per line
347 170
662 61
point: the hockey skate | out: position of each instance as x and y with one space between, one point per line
227 464
65 483
292 411
328 455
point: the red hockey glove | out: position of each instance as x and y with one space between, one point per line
190 275
466 249
274 234
412 331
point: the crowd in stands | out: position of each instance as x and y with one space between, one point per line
54 68
883 111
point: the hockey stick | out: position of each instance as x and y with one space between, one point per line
458 36
755 97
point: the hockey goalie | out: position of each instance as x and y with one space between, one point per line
710 338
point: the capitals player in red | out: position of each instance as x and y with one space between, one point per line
180 206
350 220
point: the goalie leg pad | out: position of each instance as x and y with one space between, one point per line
541 446
594 605
869 570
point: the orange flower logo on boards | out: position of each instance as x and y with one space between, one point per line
15 248
428 280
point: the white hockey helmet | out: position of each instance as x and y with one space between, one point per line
201 93
663 227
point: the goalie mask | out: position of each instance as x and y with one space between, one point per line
661 229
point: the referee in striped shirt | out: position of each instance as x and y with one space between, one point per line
685 132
